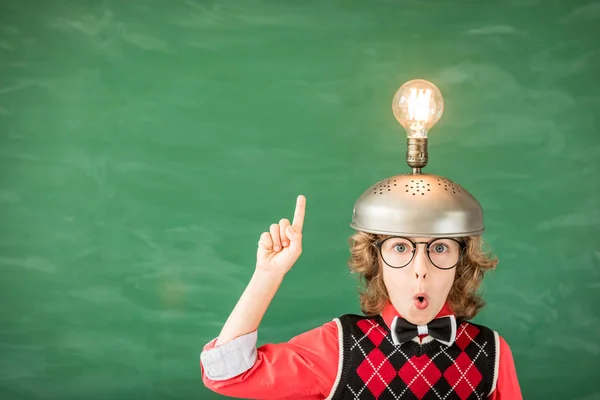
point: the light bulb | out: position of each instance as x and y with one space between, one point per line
418 105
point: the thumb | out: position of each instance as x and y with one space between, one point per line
291 233
295 241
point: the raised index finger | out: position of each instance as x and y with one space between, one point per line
298 221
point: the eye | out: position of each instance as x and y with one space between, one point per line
400 248
440 248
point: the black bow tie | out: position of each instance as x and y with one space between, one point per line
442 329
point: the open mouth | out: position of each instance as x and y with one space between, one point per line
421 301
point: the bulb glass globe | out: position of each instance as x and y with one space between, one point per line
418 105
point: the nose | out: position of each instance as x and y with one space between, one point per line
420 264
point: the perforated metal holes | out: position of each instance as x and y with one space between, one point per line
384 186
448 185
415 186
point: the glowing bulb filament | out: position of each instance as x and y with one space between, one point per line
418 104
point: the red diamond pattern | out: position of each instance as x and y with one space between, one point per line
376 372
465 335
372 331
413 373
463 376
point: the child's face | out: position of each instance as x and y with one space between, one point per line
419 280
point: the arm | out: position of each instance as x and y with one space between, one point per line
507 387
277 252
252 306
306 366
234 355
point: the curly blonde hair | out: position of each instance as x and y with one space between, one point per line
463 297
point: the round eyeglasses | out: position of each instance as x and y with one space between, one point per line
398 252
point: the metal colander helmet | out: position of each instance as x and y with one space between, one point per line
416 204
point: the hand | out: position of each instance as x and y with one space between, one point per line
279 248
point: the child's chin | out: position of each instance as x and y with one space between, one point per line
419 317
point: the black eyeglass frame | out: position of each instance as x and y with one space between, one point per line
462 245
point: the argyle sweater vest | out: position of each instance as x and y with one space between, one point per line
372 367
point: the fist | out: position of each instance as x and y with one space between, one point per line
279 248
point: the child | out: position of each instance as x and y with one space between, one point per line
414 341
418 250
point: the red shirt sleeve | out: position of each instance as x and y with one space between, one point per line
304 367
507 387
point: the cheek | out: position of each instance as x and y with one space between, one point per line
444 280
396 278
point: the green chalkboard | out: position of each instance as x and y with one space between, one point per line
145 145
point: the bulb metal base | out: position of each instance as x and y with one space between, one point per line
416 154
